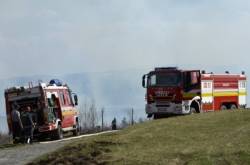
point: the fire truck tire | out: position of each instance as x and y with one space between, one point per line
156 116
76 132
150 115
42 137
59 133
233 107
192 110
223 107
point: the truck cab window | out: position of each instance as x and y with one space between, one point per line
191 79
62 98
194 78
152 80
186 80
52 102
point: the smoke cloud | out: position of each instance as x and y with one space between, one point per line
60 37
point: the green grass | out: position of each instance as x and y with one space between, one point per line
207 138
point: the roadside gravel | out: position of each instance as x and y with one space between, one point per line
23 154
26 153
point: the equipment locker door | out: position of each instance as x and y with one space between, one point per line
207 95
242 93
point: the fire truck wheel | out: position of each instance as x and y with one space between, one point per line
233 107
42 137
156 116
59 133
192 110
223 107
150 115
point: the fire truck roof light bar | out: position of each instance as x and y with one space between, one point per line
166 68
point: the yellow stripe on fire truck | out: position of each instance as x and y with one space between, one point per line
224 94
69 112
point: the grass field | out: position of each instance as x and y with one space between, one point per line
207 138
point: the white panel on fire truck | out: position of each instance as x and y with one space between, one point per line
56 87
206 75
207 91
242 92
50 93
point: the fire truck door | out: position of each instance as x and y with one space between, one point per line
242 92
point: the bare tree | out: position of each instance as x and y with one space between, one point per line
130 115
88 116
124 123
83 115
102 117
93 118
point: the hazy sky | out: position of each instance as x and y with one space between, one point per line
63 36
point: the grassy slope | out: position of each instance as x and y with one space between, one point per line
208 138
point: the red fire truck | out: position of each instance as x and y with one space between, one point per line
53 108
174 91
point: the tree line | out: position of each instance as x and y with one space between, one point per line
92 120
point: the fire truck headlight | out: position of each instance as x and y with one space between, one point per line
185 105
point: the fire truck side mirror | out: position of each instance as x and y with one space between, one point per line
76 99
143 81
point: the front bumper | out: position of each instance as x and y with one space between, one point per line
47 128
168 108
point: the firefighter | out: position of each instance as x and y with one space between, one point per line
29 125
17 125
114 124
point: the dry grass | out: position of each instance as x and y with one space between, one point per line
208 138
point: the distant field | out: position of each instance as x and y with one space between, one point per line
207 138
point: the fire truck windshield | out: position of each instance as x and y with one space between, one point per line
164 79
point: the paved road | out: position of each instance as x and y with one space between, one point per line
26 153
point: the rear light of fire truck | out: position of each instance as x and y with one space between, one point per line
150 98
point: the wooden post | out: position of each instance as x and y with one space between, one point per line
132 116
102 117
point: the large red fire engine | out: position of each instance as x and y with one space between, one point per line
174 91
53 108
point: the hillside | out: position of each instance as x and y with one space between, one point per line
208 138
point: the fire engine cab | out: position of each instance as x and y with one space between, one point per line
53 107
174 91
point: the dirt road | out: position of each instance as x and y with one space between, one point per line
26 153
